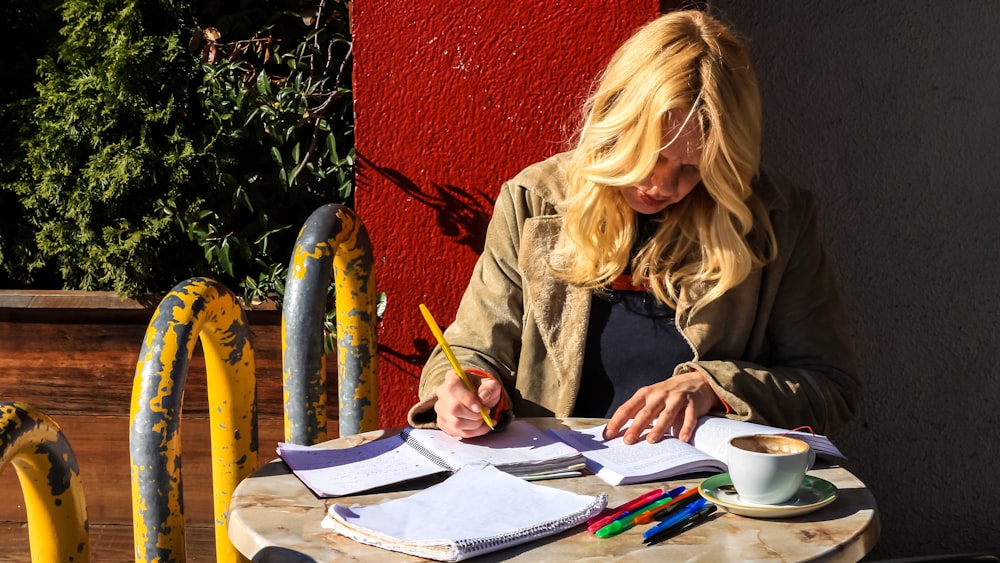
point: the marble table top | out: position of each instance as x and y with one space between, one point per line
274 517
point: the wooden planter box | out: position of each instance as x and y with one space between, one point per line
73 354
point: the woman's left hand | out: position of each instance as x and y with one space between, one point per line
675 402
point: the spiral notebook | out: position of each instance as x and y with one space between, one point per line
476 510
520 449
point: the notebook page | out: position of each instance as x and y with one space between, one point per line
713 434
619 463
476 510
518 444
339 472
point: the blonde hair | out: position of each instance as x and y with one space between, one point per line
683 66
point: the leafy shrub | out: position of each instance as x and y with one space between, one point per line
31 29
281 110
167 141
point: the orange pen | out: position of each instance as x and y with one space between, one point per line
663 511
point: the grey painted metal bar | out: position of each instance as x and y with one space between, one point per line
195 310
332 244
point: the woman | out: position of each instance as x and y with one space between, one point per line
653 272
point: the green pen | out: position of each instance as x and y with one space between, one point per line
626 522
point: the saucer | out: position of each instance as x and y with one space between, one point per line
813 494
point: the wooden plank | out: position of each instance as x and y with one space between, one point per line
102 454
94 300
72 299
77 368
108 543
100 445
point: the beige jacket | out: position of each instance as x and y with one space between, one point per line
776 348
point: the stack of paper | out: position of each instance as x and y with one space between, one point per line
477 510
520 449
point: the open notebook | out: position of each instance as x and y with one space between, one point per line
621 464
520 449
476 510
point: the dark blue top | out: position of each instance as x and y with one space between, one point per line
632 341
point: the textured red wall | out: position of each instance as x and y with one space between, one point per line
451 99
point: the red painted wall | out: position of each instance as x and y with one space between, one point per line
451 99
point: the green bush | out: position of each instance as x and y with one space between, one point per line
281 110
30 28
166 140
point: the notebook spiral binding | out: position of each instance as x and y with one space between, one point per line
426 452
469 547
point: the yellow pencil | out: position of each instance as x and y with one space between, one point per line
451 358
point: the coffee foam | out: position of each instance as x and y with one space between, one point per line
770 444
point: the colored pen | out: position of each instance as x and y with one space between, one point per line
645 515
602 520
626 522
453 360
683 500
676 518
682 526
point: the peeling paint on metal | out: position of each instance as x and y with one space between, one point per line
333 244
34 444
196 310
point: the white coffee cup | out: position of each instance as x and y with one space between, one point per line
768 468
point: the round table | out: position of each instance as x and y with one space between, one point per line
274 517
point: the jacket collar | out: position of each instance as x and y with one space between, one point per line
562 311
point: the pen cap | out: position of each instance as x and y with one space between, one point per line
679 502
686 512
678 517
663 532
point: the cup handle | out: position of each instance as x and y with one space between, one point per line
812 459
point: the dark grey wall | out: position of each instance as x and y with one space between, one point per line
888 111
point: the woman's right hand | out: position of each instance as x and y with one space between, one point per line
458 408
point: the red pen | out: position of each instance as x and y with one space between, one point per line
605 518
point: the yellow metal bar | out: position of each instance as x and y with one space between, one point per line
197 309
50 482
332 242
357 320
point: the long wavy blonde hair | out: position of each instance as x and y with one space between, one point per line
683 66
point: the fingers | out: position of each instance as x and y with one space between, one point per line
641 423
490 391
670 406
459 409
621 416
460 422
690 422
641 409
662 426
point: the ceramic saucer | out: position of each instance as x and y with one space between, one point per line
813 494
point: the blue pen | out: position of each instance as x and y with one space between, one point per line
682 526
674 519
629 518
644 507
